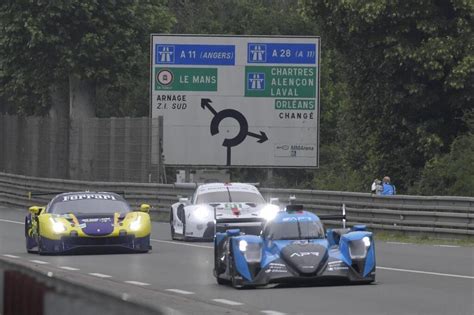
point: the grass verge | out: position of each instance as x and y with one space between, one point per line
422 238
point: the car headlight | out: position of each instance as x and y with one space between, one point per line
201 212
366 241
252 251
243 245
136 225
358 248
269 212
58 227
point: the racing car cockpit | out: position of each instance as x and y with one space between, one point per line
288 226
307 228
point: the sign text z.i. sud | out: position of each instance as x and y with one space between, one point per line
236 101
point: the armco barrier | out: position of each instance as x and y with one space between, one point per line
25 289
434 214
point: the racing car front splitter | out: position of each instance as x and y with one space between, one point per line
69 244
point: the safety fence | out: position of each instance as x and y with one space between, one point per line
26 289
112 149
435 214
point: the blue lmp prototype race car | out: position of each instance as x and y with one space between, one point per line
293 248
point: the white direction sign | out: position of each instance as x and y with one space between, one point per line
236 100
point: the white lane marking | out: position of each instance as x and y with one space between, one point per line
179 291
228 302
450 246
427 272
400 243
270 312
136 283
39 262
181 243
11 256
100 275
10 221
69 268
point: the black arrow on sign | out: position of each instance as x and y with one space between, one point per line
243 124
205 102
230 113
262 137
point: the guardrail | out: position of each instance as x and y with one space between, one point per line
25 289
434 214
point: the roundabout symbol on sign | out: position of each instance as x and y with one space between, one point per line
164 77
243 124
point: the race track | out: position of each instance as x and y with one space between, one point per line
411 279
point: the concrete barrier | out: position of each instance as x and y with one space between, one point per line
31 291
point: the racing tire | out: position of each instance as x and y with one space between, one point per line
40 246
144 251
28 239
29 251
184 232
173 234
221 281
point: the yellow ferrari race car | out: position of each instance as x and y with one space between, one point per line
76 221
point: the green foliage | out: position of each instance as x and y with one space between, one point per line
43 42
451 173
409 68
262 17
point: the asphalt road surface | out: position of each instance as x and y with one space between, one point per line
411 279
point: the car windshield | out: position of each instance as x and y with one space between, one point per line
89 205
294 230
230 196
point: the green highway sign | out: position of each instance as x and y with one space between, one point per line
185 79
295 104
277 81
235 101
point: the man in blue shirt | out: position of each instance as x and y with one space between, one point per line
388 189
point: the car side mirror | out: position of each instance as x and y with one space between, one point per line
145 208
184 201
274 201
35 210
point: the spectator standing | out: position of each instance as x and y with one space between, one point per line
377 187
387 187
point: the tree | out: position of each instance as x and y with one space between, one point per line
248 17
409 66
452 173
85 43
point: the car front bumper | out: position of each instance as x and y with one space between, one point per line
69 244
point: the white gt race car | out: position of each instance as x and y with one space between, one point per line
219 207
